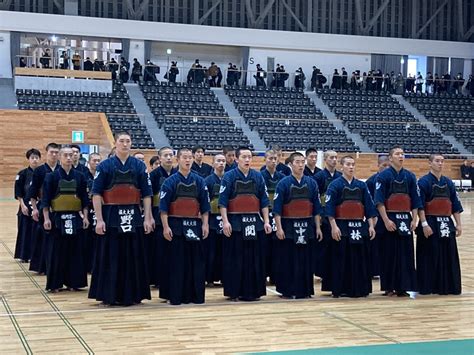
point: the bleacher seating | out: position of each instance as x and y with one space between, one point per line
288 117
451 113
116 105
191 114
382 121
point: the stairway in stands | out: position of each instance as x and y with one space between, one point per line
7 95
148 119
238 120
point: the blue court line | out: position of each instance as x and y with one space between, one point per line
448 347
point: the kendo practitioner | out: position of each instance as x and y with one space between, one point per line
25 222
311 159
34 195
65 216
155 243
351 213
90 238
184 209
280 167
271 177
297 210
375 261
397 201
201 168
120 183
213 243
76 149
322 249
437 259
242 196
229 153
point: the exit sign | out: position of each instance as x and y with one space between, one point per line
77 137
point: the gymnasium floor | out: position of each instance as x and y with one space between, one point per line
34 321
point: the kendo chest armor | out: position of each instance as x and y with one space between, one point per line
351 207
123 190
440 204
299 204
185 201
156 196
66 199
271 187
399 199
244 198
215 199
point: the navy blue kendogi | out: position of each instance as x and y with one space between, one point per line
297 203
322 249
39 246
398 192
350 204
437 259
271 262
120 276
243 252
155 244
25 222
281 168
65 194
375 244
184 199
213 243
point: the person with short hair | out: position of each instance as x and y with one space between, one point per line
39 245
213 243
229 153
140 156
201 168
65 214
184 209
156 245
242 197
76 149
351 213
397 200
90 237
120 183
437 258
154 162
375 245
311 159
322 249
297 210
271 177
22 184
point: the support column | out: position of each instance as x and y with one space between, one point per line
8 58
137 50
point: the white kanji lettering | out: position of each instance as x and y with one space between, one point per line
444 230
250 231
355 235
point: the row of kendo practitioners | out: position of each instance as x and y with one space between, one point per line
191 221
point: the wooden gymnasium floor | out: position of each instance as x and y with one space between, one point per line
34 321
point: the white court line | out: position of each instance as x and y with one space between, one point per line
166 305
